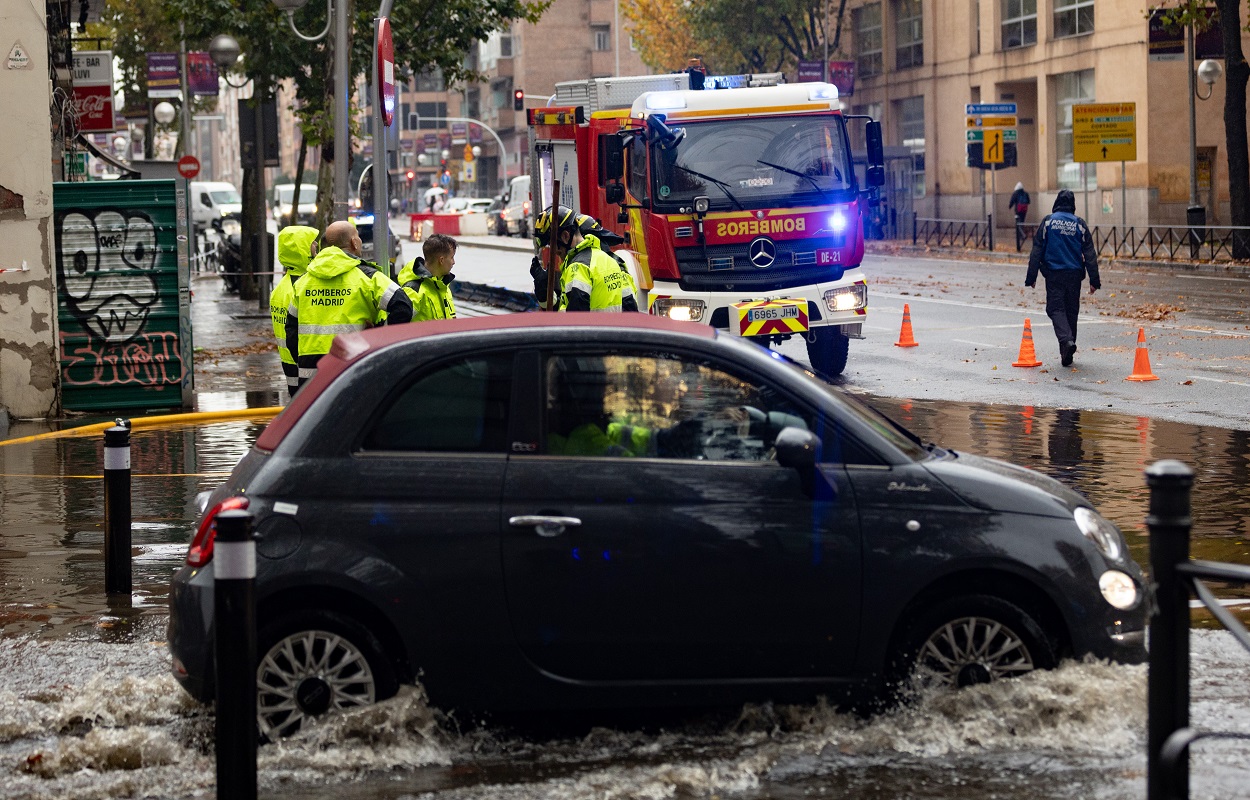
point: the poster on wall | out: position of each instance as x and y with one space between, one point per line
93 90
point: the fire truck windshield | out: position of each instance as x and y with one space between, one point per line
762 162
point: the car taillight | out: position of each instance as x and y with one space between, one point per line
201 550
526 206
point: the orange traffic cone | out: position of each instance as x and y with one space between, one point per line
1028 356
905 338
1141 361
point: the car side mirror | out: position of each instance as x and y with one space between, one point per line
797 448
615 193
611 158
872 138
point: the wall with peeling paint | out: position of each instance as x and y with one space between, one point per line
28 324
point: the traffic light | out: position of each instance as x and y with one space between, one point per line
411 175
518 100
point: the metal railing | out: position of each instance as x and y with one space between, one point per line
1175 576
1173 242
953 232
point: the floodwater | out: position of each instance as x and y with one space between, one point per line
88 710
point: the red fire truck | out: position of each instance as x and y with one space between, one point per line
739 202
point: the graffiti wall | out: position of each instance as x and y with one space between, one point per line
120 294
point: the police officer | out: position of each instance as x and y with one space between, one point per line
339 293
591 279
297 244
1063 250
427 280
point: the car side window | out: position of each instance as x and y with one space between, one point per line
661 405
458 407
205 199
638 169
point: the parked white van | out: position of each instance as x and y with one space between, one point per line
516 206
213 199
283 195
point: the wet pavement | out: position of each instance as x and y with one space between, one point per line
87 707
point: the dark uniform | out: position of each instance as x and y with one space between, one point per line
1063 251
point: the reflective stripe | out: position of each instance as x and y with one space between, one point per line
292 310
577 283
234 561
293 382
330 330
616 308
391 289
307 372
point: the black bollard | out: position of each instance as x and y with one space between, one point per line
1169 521
117 509
234 574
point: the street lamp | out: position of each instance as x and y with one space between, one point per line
164 112
224 51
1209 71
476 151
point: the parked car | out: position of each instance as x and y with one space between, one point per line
498 225
284 195
516 211
585 511
212 200
466 205
364 227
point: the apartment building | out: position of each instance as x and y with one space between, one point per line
918 63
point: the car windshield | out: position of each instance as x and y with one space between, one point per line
230 196
754 163
307 193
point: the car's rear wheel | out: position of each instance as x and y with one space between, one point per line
968 640
828 349
315 662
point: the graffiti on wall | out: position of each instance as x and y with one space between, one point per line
106 265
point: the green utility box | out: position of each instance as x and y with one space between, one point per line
123 294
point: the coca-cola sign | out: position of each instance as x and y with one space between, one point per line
94 107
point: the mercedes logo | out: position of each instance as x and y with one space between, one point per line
763 252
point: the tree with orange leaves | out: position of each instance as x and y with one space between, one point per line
662 31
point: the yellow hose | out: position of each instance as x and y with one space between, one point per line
154 422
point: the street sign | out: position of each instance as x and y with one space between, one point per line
1009 135
93 90
386 70
468 152
976 156
981 109
991 122
1104 132
188 167
77 164
992 147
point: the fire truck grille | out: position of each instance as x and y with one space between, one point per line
729 267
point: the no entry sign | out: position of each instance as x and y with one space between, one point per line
386 70
188 167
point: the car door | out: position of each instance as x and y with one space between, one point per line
654 537
424 497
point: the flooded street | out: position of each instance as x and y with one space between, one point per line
88 710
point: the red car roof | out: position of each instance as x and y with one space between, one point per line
349 347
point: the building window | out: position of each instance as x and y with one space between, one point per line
909 35
505 45
430 82
856 132
427 112
633 44
1019 23
911 136
868 39
1071 88
601 37
1073 17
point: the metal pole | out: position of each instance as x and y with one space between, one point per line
260 260
117 580
1167 691
1085 191
993 200
381 169
1193 122
184 135
341 109
824 67
616 34
234 608
1123 197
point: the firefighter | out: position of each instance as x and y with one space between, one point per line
427 280
591 279
297 244
339 293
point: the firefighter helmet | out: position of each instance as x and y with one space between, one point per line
566 220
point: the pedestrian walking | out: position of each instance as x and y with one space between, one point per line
340 293
427 279
1063 251
591 278
1019 203
297 244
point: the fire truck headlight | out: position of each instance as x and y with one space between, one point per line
701 205
837 222
847 298
679 309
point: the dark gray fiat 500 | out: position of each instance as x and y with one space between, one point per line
583 511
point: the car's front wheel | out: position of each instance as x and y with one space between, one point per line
314 662
968 640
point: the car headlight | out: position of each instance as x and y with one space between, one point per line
1118 589
680 309
1100 531
847 298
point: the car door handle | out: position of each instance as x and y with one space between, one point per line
544 525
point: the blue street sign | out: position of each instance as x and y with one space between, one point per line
973 109
446 179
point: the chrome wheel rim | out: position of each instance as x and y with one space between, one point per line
307 674
972 650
